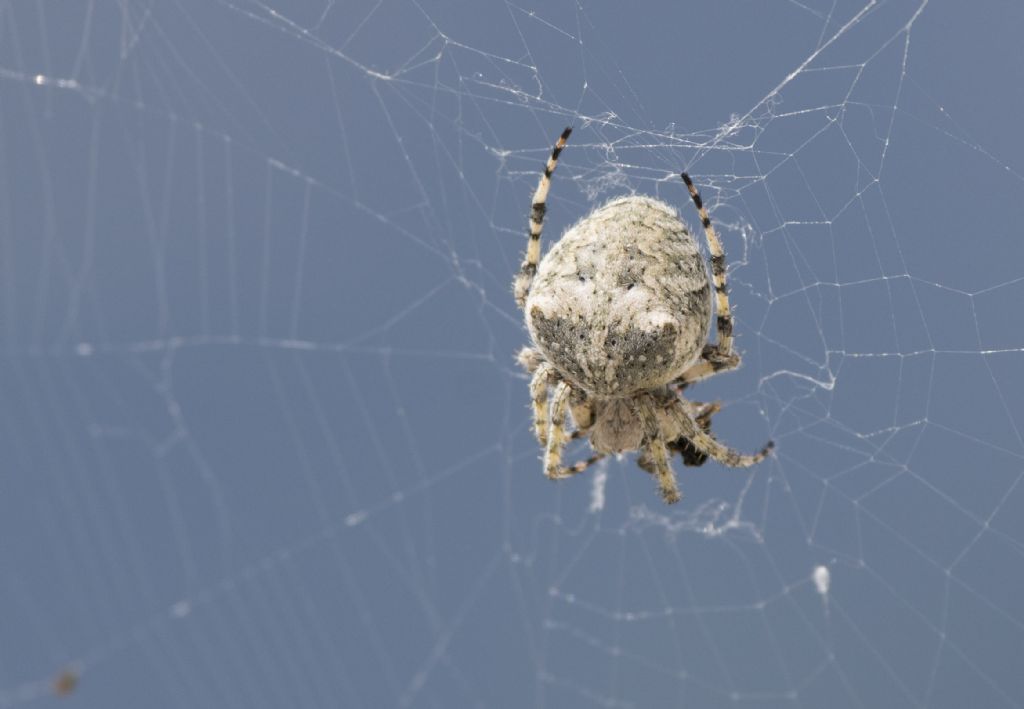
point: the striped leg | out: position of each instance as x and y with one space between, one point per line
704 443
577 468
724 346
524 279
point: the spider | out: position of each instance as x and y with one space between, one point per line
619 312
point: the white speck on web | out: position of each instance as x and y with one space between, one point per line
822 579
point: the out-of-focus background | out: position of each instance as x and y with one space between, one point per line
263 442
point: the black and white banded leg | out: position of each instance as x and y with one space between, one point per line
540 199
704 443
718 357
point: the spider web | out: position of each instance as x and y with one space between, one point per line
264 439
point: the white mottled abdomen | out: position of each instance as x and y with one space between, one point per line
622 303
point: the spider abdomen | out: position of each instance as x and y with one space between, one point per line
622 302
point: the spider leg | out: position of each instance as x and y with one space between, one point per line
566 471
529 359
539 397
543 375
711 362
704 443
527 271
557 435
705 412
576 468
723 350
682 445
654 454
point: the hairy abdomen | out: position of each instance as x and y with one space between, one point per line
622 302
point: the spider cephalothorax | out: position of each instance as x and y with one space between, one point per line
619 311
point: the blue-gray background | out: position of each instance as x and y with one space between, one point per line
263 440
